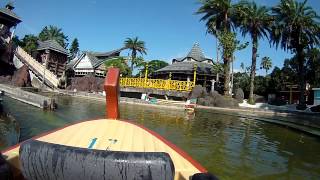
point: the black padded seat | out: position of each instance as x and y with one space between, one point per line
41 160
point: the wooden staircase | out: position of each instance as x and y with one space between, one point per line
37 68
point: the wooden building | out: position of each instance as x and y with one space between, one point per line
93 63
183 68
51 54
8 23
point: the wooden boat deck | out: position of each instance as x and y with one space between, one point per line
116 135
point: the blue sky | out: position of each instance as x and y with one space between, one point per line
169 27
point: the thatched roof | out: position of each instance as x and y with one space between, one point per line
187 68
107 54
52 45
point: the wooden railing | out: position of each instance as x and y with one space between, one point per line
37 67
163 84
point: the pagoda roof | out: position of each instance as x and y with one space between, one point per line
52 45
195 53
187 67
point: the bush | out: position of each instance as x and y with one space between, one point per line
214 99
198 92
239 95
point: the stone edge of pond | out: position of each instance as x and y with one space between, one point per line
307 123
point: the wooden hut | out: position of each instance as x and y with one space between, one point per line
8 23
93 62
51 54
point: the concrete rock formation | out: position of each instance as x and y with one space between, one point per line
21 77
87 83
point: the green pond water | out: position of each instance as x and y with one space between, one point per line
231 147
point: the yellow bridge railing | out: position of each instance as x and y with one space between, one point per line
163 84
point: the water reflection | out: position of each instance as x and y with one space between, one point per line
231 147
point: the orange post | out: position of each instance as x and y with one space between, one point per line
111 87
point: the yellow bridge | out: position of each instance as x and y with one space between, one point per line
164 84
157 84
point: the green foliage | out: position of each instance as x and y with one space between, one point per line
119 63
29 43
153 66
74 49
296 25
266 64
313 67
255 21
218 14
229 43
135 45
16 41
217 68
252 19
53 33
219 17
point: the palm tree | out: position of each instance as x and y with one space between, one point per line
255 21
218 15
242 66
53 33
266 64
296 29
120 63
135 45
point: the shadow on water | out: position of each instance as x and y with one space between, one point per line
9 129
227 145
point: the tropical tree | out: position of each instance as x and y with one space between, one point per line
255 21
242 67
135 45
120 63
266 64
313 67
296 29
29 43
219 17
153 66
53 33
74 49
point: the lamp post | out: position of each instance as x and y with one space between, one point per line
146 75
44 63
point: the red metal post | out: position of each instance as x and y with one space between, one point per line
111 87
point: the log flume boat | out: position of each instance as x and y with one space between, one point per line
100 149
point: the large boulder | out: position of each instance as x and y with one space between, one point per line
5 79
214 99
239 95
198 91
315 108
21 77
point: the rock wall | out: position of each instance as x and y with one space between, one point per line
87 83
